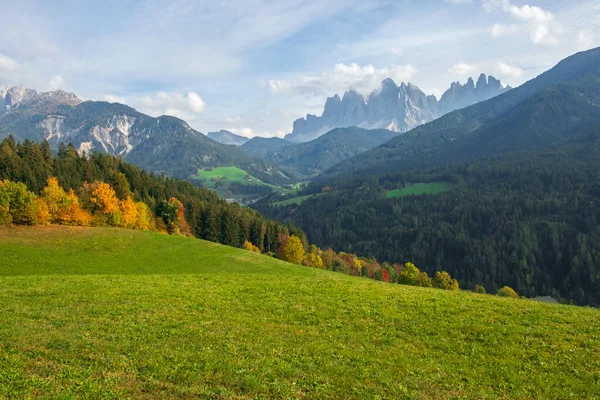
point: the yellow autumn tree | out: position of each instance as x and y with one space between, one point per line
57 201
129 211
105 199
313 258
106 205
43 213
145 219
292 250
76 215
250 247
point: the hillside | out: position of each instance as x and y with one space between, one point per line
311 158
104 313
260 146
163 145
527 220
559 107
226 137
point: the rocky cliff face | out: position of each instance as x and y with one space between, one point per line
397 108
164 145
15 97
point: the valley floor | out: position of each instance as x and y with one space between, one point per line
111 313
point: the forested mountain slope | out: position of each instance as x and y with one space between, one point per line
529 220
163 145
545 112
311 158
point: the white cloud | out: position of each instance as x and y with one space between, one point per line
459 2
111 98
341 78
508 71
56 82
461 69
535 21
248 132
7 63
501 30
397 51
585 40
186 107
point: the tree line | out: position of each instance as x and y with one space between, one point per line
38 187
526 220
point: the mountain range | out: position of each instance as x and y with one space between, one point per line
227 137
393 107
548 111
504 190
163 145
308 159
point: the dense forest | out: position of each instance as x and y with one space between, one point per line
208 217
40 188
527 220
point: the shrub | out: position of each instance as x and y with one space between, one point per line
443 280
423 279
409 274
250 247
479 289
19 202
507 291
340 266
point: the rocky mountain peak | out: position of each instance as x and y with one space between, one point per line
13 97
399 108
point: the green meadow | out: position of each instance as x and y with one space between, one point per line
220 178
94 313
420 188
296 200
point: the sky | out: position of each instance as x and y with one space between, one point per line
254 66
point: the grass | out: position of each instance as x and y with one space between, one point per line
97 313
296 200
227 175
420 188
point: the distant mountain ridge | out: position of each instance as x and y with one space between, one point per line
393 107
550 110
311 158
15 97
163 145
226 137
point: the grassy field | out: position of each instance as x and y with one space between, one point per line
296 200
97 313
420 188
228 175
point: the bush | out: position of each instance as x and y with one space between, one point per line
409 274
5 218
424 280
507 291
340 266
443 280
19 202
479 289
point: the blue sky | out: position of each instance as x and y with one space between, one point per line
253 66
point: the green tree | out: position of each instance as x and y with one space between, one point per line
409 274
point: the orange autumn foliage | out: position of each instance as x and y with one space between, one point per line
105 199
